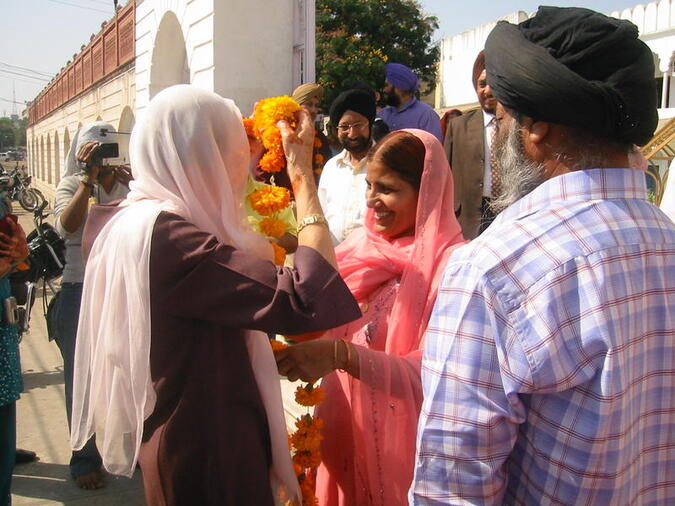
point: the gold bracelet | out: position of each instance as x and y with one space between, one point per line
312 219
349 355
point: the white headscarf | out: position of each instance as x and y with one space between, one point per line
189 156
86 133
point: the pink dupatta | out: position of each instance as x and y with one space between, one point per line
376 417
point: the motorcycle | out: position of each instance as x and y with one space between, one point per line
46 260
15 185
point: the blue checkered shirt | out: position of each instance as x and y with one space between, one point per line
549 361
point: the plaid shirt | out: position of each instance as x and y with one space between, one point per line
549 362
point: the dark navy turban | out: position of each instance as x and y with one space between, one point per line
578 68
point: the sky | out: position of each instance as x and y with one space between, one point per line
38 37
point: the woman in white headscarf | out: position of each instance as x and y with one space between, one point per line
78 185
177 287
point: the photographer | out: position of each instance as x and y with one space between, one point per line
87 179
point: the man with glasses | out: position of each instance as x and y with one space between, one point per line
343 182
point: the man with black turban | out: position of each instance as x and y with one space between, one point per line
342 187
548 371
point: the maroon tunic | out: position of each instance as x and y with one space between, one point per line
207 440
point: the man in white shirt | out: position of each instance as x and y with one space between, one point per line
467 143
342 188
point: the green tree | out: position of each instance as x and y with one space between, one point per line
20 132
7 135
355 38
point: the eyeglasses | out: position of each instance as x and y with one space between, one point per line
355 126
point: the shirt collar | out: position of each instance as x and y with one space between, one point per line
487 118
342 160
408 105
578 186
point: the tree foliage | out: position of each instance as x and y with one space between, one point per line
7 134
355 38
12 133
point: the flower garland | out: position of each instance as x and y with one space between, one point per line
271 199
266 114
305 442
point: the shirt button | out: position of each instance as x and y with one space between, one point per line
481 185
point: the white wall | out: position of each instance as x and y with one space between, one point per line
240 49
254 50
196 21
457 56
655 20
106 101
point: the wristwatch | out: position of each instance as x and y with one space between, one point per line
312 219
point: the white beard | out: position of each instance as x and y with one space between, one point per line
519 175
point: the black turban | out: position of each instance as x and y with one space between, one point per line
578 68
353 100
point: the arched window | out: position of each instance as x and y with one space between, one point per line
169 59
126 125
66 148
42 158
53 175
48 173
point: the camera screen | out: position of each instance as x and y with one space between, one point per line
108 150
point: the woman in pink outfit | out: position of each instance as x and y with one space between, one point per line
371 367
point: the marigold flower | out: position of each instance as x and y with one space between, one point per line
272 227
306 459
270 162
309 395
307 442
318 159
266 115
306 422
317 142
249 127
307 487
276 346
279 254
269 200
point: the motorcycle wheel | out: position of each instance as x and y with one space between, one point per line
40 197
29 199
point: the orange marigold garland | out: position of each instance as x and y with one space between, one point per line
249 127
272 227
269 200
309 395
305 442
266 114
279 254
277 345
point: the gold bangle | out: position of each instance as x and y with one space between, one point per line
349 355
312 219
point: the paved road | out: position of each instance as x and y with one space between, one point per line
42 426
